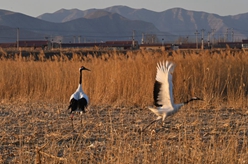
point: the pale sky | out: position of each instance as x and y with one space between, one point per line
37 7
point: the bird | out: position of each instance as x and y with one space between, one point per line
163 93
78 100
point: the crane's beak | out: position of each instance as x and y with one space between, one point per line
197 98
86 69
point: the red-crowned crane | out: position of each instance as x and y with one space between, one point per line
78 100
163 93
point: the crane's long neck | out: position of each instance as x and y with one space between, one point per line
192 99
176 108
80 78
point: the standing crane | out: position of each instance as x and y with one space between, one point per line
163 93
78 100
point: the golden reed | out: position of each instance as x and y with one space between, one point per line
125 79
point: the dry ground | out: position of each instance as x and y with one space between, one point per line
43 133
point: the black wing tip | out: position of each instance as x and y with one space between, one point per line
78 104
156 90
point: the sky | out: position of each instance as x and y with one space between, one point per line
35 8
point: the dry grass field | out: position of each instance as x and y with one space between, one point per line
36 126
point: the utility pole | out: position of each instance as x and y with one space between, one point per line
209 39
226 40
213 31
232 33
133 38
163 44
79 39
52 44
196 40
153 38
202 39
17 39
142 40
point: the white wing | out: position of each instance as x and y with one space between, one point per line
164 78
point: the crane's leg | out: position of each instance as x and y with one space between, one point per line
150 124
163 123
72 120
81 119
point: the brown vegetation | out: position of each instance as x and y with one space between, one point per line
36 127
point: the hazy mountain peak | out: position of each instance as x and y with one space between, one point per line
6 12
67 10
97 14
120 20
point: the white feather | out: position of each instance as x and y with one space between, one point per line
164 76
79 94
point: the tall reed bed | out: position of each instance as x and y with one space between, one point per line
126 79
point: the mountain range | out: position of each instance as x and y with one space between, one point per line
122 23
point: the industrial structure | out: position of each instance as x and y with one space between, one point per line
121 45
